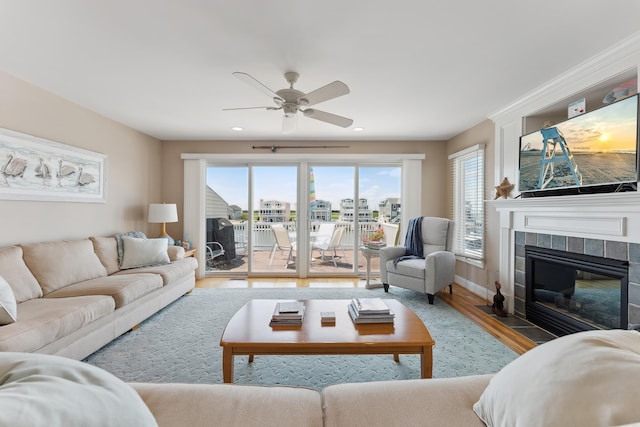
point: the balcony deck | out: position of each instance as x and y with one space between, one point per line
261 263
263 239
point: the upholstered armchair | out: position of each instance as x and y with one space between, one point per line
429 274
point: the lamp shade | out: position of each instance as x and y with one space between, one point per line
163 212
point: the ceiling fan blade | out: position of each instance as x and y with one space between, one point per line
289 123
325 93
252 81
328 117
252 108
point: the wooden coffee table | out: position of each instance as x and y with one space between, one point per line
248 333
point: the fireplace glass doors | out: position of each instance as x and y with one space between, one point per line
568 292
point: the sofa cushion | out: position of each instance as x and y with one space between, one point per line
8 306
169 272
44 320
42 390
583 379
58 264
433 402
408 267
232 405
144 252
107 250
17 274
123 289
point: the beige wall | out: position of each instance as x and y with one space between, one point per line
142 170
133 168
434 169
482 133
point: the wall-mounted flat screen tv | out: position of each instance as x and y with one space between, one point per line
592 153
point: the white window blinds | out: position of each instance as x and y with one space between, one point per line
467 207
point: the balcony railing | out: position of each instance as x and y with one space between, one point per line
263 238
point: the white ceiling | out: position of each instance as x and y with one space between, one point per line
417 69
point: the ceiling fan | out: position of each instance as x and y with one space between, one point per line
292 100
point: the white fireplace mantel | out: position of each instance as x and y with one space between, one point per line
587 200
611 217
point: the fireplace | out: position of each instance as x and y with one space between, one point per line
568 292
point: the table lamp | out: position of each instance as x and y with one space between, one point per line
163 213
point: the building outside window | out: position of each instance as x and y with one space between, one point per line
274 211
389 210
320 210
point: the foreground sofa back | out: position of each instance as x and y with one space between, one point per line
435 402
72 297
87 395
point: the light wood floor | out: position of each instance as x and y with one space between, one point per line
462 300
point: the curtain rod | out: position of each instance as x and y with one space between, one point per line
274 148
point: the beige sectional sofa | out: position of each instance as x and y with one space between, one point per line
73 298
586 379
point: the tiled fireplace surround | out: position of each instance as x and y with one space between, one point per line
604 225
597 247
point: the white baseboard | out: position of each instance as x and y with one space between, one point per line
479 290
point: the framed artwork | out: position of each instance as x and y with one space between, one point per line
33 168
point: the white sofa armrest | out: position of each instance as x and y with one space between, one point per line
440 270
175 253
386 254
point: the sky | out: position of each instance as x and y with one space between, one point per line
332 183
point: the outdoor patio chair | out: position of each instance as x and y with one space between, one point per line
283 243
330 245
214 250
324 233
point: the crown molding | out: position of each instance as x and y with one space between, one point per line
621 57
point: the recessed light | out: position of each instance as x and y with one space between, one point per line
358 129
237 129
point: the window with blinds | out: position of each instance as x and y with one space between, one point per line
467 207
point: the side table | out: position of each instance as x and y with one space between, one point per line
369 253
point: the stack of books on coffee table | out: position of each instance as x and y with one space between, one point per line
370 310
288 313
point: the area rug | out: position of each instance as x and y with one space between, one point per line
181 343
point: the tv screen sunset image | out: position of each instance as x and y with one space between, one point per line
598 147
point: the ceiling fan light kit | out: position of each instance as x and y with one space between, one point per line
291 100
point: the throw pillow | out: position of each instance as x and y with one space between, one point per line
137 234
107 250
144 252
583 379
22 281
44 390
8 306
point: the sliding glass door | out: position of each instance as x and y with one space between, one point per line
274 202
227 219
380 214
298 218
331 233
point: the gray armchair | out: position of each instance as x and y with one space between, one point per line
429 274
